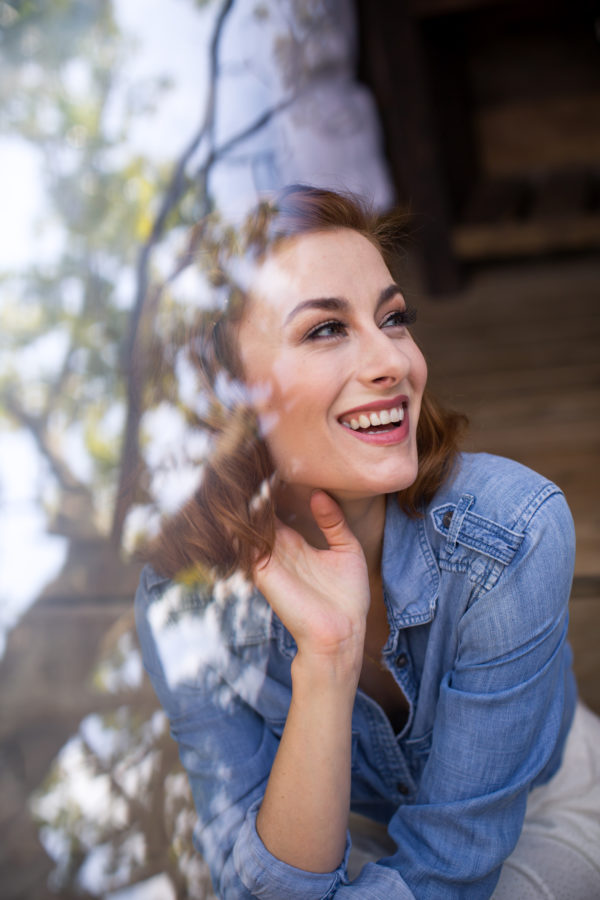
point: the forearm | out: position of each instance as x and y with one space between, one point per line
304 815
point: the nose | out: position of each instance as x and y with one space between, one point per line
382 360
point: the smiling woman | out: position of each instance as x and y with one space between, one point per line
398 646
321 364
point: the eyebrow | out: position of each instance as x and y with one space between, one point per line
339 304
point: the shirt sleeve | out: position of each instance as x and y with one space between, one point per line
501 711
226 748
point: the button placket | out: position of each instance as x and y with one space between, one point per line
387 753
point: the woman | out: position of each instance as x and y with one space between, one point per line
400 647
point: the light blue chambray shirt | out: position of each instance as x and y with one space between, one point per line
476 593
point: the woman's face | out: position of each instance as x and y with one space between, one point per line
336 378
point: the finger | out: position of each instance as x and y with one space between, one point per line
330 519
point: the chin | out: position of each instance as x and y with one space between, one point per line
397 481
376 488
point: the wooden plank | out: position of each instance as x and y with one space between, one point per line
528 238
493 201
542 382
529 133
584 629
562 195
586 588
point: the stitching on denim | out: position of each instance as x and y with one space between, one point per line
456 522
534 502
432 567
508 536
459 565
430 590
494 573
479 570
333 889
496 541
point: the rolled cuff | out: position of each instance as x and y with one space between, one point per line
269 878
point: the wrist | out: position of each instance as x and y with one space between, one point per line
339 666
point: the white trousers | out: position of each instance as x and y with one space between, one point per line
557 856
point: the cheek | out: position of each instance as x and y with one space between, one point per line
419 370
275 399
292 390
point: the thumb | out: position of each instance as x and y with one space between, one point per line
330 519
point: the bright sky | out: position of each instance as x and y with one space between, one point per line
20 192
28 556
171 37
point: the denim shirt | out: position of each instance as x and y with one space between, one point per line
476 592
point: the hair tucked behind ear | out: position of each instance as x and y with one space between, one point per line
229 522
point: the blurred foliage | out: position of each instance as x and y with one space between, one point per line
84 326
64 316
116 810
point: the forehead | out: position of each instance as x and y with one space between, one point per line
336 263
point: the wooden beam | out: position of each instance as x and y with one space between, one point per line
397 68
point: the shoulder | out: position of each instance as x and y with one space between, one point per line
172 628
161 602
499 489
493 514
182 621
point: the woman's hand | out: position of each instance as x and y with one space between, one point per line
321 596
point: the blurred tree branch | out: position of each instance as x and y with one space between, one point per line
37 426
138 345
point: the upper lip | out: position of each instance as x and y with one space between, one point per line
375 406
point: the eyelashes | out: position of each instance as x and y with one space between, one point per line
400 317
332 328
329 329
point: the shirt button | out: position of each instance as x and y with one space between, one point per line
401 660
447 519
402 789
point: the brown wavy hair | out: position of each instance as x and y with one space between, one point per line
229 521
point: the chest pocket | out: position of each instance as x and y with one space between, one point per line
473 544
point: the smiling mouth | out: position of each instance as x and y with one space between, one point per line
378 422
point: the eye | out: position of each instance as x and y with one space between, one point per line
331 329
399 318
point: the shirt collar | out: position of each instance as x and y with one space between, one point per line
410 573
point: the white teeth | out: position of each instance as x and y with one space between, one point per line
373 419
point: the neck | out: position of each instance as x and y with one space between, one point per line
365 518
